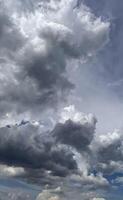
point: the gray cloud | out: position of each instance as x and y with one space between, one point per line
37 50
75 134
41 43
10 38
34 155
107 151
25 146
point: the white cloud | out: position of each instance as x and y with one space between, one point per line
48 194
11 171
71 113
97 198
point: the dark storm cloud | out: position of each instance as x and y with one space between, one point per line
25 146
75 134
39 156
28 145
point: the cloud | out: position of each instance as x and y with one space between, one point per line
68 193
98 198
26 146
48 194
78 129
41 42
107 151
29 151
90 181
11 171
74 134
37 48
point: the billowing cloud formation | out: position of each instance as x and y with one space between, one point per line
48 194
27 146
108 151
27 150
41 41
38 43
78 135
77 131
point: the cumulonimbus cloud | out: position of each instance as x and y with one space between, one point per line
28 145
37 44
39 41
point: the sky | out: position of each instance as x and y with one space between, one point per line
61 111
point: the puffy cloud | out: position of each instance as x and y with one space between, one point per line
67 193
70 112
78 129
28 150
38 43
73 134
48 194
11 171
107 152
25 146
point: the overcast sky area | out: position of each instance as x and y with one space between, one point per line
61 110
